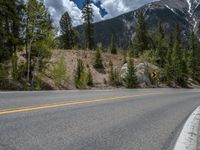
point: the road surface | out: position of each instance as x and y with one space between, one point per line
140 119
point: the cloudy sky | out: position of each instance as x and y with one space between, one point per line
103 9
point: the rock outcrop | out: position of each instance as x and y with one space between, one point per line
143 71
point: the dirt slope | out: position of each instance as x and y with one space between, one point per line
100 77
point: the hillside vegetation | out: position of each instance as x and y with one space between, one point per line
60 70
30 59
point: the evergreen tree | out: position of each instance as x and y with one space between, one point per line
168 70
152 41
131 52
179 66
194 61
60 72
131 78
15 66
111 72
98 63
171 41
81 77
88 19
141 40
114 76
124 57
68 37
10 24
90 79
161 46
10 32
39 33
113 48
3 75
168 66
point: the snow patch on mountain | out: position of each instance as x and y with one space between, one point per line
171 9
195 24
190 7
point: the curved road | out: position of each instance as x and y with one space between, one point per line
149 119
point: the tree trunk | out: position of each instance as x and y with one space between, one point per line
29 61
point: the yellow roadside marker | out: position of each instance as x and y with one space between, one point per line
154 75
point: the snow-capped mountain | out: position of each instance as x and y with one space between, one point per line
190 9
169 12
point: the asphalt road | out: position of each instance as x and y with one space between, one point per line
149 119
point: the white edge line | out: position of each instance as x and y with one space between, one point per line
187 139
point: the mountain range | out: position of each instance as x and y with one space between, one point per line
169 12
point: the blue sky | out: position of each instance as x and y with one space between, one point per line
103 9
80 5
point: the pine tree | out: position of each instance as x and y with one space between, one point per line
141 40
168 68
111 72
3 75
179 66
124 57
98 62
81 76
113 48
171 41
39 33
10 25
68 37
194 61
161 46
90 79
114 76
131 78
131 52
15 66
60 72
88 19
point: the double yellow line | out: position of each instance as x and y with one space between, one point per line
71 103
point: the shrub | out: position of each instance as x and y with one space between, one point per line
90 79
81 76
148 56
59 72
3 81
124 57
22 71
98 63
114 76
14 66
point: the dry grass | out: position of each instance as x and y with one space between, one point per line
71 56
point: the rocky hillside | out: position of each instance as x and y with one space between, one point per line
44 80
169 12
100 77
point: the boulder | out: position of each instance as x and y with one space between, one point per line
143 71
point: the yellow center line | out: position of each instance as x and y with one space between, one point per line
70 103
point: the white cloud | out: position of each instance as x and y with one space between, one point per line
97 15
73 11
113 8
118 7
58 7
